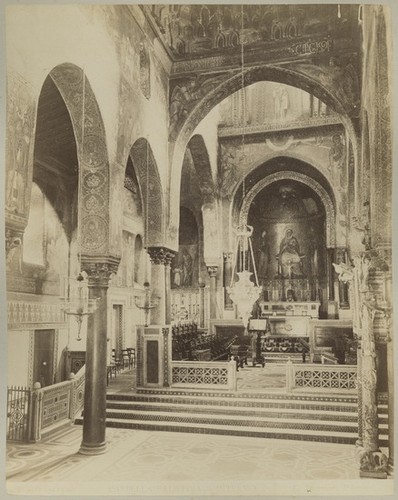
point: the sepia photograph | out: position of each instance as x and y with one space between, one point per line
198 249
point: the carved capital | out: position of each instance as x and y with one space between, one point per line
227 257
161 255
212 270
99 270
13 239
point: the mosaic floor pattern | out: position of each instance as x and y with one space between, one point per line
138 457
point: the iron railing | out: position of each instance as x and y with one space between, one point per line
18 413
31 411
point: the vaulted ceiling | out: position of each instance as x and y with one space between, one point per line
55 146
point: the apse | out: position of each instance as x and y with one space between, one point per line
288 220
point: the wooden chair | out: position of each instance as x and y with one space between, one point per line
126 358
131 352
116 361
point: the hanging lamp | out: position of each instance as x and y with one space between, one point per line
245 291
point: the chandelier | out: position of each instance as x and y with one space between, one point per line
147 302
77 304
244 292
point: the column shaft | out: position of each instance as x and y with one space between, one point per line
167 292
212 270
160 276
94 421
359 381
158 314
390 371
228 304
340 257
202 305
94 416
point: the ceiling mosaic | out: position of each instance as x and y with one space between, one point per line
199 30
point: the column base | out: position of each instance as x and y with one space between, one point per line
373 464
90 449
390 467
374 475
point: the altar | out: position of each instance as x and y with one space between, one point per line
283 308
288 319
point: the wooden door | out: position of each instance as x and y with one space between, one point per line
43 361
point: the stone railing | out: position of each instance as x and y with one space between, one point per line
204 374
57 404
333 378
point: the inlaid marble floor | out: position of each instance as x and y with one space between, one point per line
145 460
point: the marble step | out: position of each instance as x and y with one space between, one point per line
252 428
330 427
236 430
214 393
331 418
151 406
250 403
250 421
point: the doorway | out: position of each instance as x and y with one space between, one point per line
43 361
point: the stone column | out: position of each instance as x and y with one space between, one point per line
167 355
169 255
340 257
158 257
359 442
330 252
373 463
98 272
390 371
212 270
228 304
202 287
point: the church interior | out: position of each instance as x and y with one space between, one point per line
198 205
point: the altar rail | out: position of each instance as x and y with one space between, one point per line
335 378
204 375
57 404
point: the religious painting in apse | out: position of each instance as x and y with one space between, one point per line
289 234
185 265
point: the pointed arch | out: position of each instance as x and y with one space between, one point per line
201 161
92 154
300 77
151 191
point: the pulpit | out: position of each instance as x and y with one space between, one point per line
153 356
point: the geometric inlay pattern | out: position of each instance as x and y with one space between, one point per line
200 375
326 379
